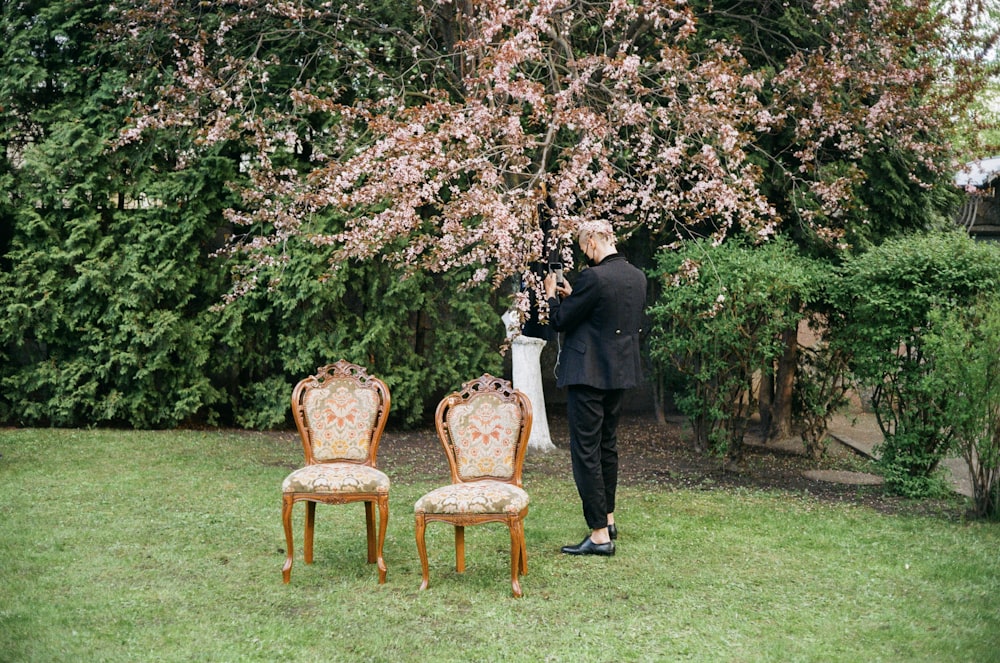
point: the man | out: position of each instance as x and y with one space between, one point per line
601 319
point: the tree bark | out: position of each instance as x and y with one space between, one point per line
765 399
784 380
659 396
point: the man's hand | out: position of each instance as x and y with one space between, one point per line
552 288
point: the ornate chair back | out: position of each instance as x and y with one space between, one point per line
482 428
340 413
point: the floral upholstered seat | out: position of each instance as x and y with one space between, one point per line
477 497
340 414
335 478
484 429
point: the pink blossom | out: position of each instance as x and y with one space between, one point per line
535 118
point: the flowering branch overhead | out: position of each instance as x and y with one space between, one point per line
435 148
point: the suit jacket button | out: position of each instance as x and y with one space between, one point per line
618 331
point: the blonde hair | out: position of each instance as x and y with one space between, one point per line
596 227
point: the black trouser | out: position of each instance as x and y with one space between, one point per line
593 444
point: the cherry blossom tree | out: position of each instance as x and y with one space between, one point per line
437 145
473 137
490 112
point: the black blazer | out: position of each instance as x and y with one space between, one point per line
602 320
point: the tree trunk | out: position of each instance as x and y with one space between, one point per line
765 399
784 380
659 396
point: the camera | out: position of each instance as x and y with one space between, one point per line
557 269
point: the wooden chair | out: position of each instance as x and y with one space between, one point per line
340 413
484 429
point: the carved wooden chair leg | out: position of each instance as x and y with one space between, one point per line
307 547
383 522
460 548
524 548
287 502
370 530
422 551
515 560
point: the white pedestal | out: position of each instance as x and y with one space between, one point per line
527 368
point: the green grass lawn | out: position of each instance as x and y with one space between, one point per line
167 546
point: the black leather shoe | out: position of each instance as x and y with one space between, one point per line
588 547
612 531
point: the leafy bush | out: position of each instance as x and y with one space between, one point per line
109 315
887 296
962 346
105 280
718 321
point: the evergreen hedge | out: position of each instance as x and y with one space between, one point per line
111 289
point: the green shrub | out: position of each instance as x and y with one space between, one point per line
108 287
886 296
110 317
962 346
718 321
422 333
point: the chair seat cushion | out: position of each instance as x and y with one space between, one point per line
335 478
474 497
